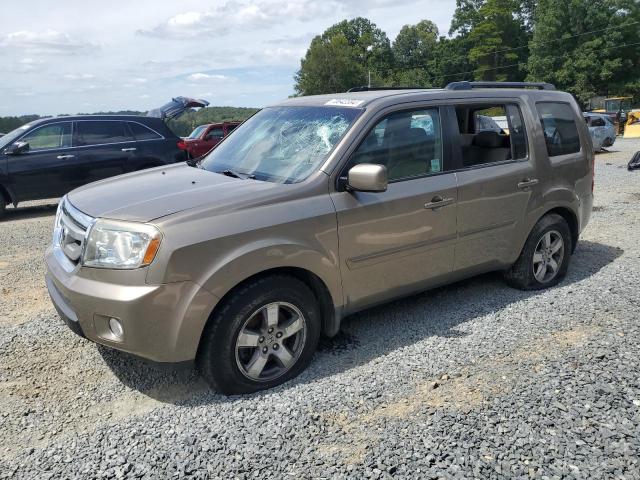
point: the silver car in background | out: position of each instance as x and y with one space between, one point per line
601 129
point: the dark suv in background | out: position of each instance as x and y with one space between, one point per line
50 157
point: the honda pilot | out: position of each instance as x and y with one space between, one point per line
316 208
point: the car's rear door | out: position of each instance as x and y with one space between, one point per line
401 240
45 171
152 147
105 148
496 181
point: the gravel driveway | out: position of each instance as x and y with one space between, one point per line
471 380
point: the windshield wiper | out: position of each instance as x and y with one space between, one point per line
231 173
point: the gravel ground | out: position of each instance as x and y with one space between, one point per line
474 380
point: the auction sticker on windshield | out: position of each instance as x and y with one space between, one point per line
344 102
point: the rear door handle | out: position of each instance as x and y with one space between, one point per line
132 149
438 202
528 182
65 157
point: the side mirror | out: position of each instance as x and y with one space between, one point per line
17 148
367 177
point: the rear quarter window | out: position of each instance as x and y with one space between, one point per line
559 127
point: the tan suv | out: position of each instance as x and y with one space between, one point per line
314 209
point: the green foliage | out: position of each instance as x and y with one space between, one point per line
342 56
587 64
11 123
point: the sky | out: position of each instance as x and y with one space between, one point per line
83 56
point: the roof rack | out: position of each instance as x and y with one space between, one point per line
368 89
471 85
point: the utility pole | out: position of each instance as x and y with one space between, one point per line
369 48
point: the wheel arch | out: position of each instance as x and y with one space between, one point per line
6 194
329 313
572 220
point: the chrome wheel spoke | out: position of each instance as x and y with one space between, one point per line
294 327
272 314
546 240
284 356
257 364
541 271
556 245
553 265
248 339
537 257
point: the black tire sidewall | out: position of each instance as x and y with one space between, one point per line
217 359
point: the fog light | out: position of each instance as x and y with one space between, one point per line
116 327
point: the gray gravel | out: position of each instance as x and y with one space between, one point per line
475 380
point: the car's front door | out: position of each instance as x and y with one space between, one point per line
401 240
44 171
105 147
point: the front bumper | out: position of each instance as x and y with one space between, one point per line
162 323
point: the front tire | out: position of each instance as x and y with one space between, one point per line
263 335
545 258
3 206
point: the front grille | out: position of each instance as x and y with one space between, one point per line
71 231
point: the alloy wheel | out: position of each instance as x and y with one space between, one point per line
270 341
548 256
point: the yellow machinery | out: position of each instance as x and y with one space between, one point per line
632 127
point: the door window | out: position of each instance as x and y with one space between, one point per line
216 132
560 129
96 132
408 143
143 133
491 133
56 135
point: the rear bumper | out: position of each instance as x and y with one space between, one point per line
162 323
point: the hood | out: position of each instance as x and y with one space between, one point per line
176 107
150 194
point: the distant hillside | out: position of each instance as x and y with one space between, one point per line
182 126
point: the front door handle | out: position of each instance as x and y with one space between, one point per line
528 182
132 149
65 157
438 202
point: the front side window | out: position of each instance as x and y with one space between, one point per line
560 129
408 143
56 135
282 144
96 132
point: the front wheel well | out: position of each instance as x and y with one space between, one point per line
571 219
4 193
330 321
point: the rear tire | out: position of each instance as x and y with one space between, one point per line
263 335
545 258
3 206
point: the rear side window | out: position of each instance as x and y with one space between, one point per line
215 132
560 129
597 122
491 133
408 143
96 132
143 133
56 135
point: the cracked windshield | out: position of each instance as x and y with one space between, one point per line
281 144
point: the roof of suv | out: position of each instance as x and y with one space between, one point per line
363 97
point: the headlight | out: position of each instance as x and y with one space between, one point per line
121 245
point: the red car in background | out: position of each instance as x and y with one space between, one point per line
205 137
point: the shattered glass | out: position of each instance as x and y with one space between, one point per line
282 144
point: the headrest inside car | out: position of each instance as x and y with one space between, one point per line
488 139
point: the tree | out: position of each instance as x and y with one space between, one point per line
414 53
341 57
496 34
564 52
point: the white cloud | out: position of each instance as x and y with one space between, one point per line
200 77
79 76
46 42
241 14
